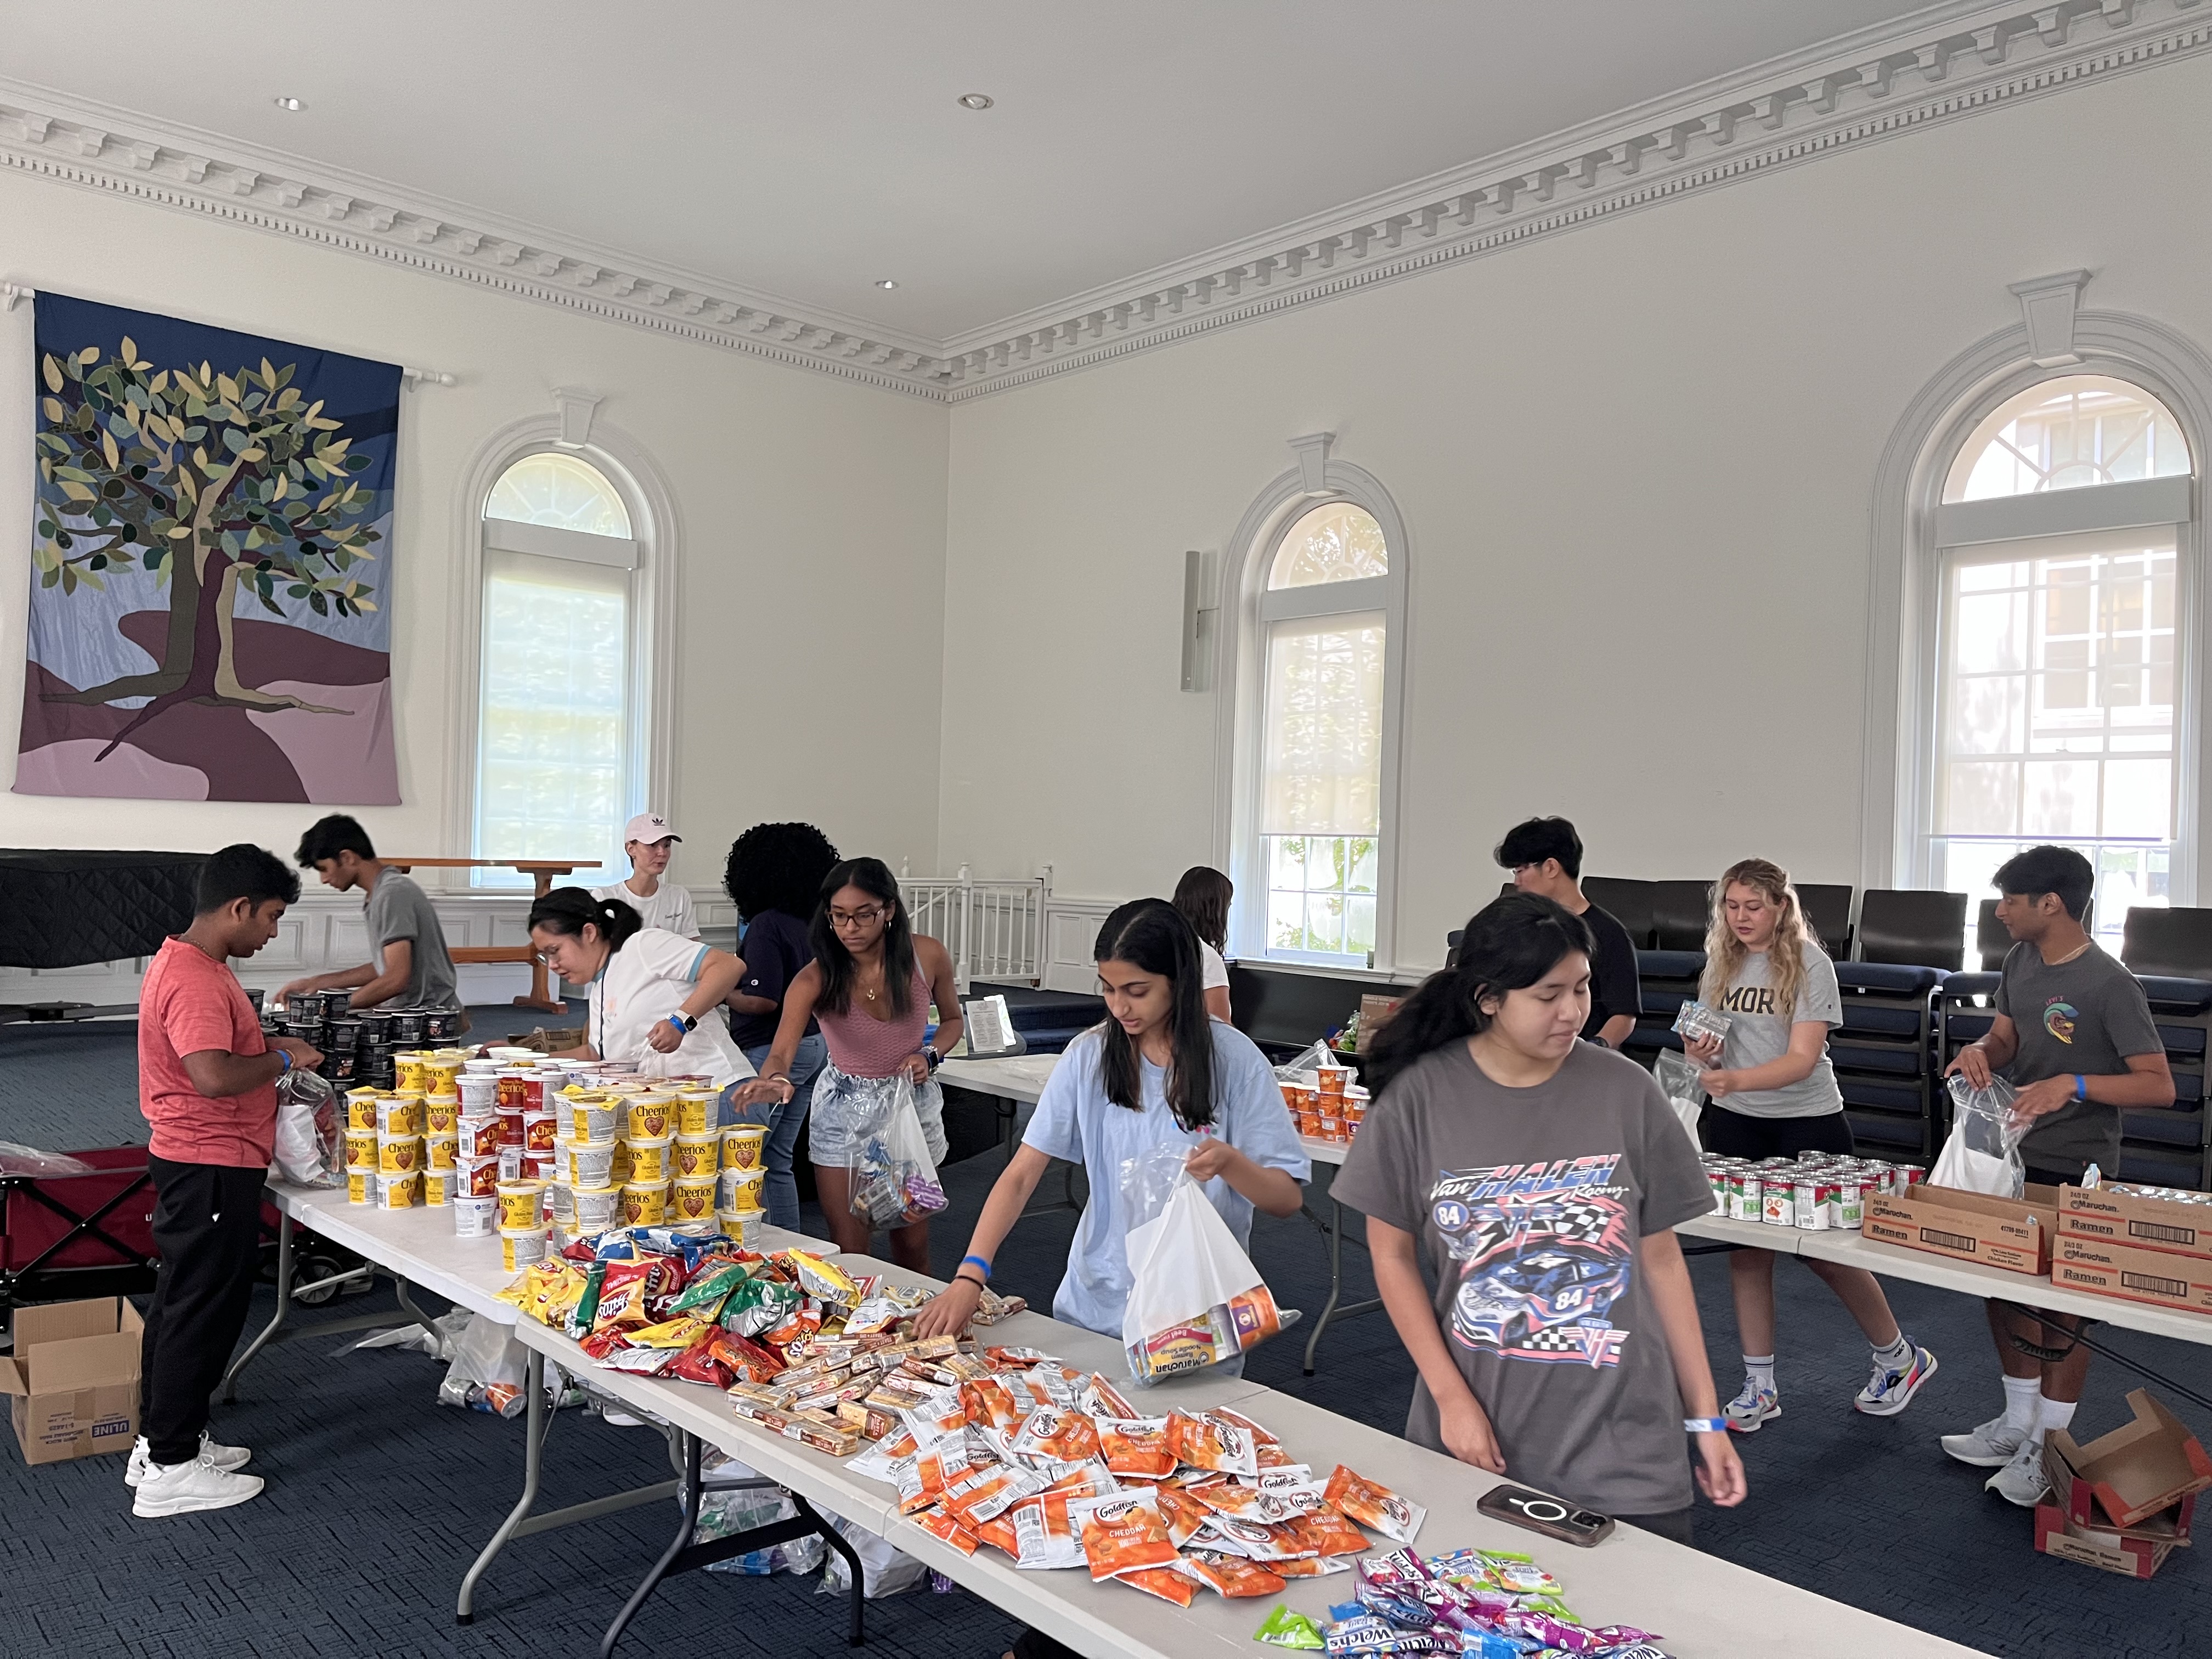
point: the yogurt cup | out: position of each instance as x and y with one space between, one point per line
744 1145
397 1154
692 1198
474 1218
521 1247
649 1160
696 1155
695 1111
522 1203
440 1113
591 1163
645 1205
361 1149
476 1177
741 1189
400 1191
441 1151
437 1188
479 1136
361 1185
594 1117
597 1208
651 1117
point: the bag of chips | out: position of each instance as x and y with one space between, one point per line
1374 1506
1121 1533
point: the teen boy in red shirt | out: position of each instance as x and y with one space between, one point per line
207 1085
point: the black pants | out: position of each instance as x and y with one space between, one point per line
1672 1524
207 1228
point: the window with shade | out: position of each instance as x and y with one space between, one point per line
1324 626
2059 645
557 738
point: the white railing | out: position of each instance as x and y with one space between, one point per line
995 929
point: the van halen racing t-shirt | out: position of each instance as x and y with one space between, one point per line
1529 1203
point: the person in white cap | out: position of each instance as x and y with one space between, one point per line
663 904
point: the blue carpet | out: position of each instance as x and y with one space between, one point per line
377 1498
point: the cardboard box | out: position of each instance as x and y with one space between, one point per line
2141 1223
2130 1557
1373 1010
73 1380
2117 1270
2014 1234
2134 1471
2086 1518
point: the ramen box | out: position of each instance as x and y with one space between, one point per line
2120 1480
2108 1551
73 1380
2011 1233
2171 1281
2137 1220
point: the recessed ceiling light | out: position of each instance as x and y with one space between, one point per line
885 282
976 100
295 105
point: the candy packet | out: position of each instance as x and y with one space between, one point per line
1284 1629
1374 1506
817 1277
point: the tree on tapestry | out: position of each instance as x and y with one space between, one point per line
209 538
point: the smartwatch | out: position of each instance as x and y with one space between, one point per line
683 1022
1704 1426
934 1059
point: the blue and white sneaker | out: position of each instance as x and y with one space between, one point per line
1752 1406
1890 1390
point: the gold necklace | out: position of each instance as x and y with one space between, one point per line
2061 962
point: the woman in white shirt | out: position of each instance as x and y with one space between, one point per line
1203 897
659 903
655 998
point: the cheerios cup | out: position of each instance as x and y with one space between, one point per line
741 1188
651 1117
743 1145
441 1113
597 1208
399 1191
437 1188
521 1247
361 1149
594 1117
645 1205
361 1108
398 1154
649 1160
696 1155
692 1198
695 1111
591 1163
520 1203
361 1185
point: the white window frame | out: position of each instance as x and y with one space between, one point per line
1247 610
650 553
1913 525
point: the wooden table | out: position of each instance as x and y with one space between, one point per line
541 873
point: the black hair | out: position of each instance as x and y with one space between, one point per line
1539 839
872 877
565 910
1152 934
1509 944
2041 869
244 871
778 867
1203 897
326 838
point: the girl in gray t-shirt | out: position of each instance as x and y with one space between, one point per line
1774 1093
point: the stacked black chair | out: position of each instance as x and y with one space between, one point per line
1915 928
2170 952
1827 908
1627 902
1680 910
1991 942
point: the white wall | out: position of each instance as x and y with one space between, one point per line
1635 465
811 511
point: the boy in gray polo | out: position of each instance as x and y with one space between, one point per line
413 969
2074 1035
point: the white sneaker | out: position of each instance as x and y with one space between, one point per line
1888 1392
2022 1481
1991 1446
188 1488
1752 1406
229 1459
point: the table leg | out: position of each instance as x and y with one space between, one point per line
676 1547
283 1307
534 1426
407 1306
854 1636
1334 1308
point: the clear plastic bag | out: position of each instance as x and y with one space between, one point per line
1694 1020
1195 1299
1149 1179
724 1513
488 1371
1982 1152
310 1150
1677 1080
892 1181
17 1159
1306 1064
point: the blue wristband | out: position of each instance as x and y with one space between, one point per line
284 1054
682 1029
976 1260
2081 1086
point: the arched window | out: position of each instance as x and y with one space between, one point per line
561 721
2060 647
1326 686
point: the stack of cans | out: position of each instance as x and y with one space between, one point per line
1814 1191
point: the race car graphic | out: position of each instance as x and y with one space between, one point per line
1542 1253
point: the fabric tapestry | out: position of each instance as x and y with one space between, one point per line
211 565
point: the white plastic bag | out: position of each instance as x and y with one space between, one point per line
1195 1299
1677 1080
310 1152
17 1159
885 1569
892 1181
1982 1152
489 1370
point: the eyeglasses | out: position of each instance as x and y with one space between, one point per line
856 918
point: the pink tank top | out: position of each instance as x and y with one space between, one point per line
860 1046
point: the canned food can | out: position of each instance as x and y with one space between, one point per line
1848 1208
1777 1203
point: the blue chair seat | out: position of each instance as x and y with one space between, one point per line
1894 978
1966 1026
1879 1020
2173 1127
2162 1169
1972 985
1879 1131
1670 965
2190 996
1884 1097
1900 1062
2182 1039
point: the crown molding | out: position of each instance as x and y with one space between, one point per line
1944 64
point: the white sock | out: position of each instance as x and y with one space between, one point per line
1760 1368
2052 1414
2021 1396
1896 1356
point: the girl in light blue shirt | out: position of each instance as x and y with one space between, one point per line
1159 1070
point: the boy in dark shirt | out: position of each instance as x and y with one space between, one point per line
1546 858
2074 1035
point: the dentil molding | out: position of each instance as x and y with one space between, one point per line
1775 116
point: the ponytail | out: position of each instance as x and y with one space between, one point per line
569 910
1508 947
